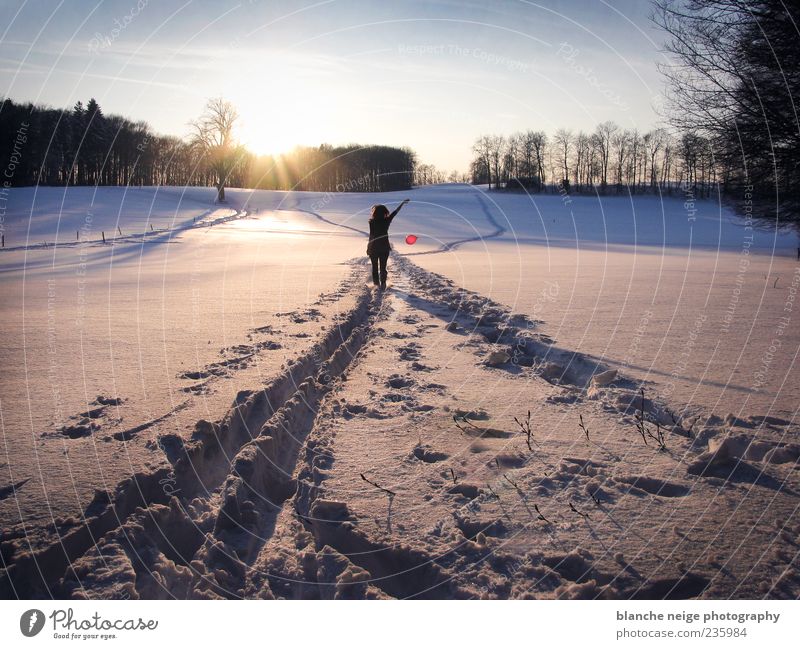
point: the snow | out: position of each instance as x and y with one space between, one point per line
36 215
219 406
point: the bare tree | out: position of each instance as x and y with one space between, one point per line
563 140
527 156
603 136
497 144
537 140
428 174
620 142
212 136
483 153
653 143
513 155
582 146
666 168
733 79
635 158
640 162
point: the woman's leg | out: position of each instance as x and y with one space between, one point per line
374 259
384 259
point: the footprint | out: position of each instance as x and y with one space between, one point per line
410 352
398 381
352 409
77 430
396 397
476 414
94 413
426 454
108 401
479 447
655 486
508 460
689 585
464 489
471 528
195 376
8 490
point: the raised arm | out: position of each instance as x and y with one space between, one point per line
397 209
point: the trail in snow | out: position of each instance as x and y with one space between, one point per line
256 504
149 236
498 231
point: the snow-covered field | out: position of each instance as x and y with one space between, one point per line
556 397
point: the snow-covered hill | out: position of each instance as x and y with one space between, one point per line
556 397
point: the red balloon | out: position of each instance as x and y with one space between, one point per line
411 239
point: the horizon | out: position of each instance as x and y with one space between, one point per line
431 77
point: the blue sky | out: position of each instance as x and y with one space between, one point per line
429 75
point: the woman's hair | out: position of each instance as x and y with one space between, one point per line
379 211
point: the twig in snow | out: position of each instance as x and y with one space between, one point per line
640 421
577 511
541 516
662 444
526 428
375 484
645 431
583 427
520 493
464 420
459 426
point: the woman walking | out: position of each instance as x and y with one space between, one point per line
379 247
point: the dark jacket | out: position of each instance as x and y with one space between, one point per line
379 235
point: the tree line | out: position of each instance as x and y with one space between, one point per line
326 168
84 146
608 159
731 120
734 80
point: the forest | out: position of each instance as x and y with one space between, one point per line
730 125
84 146
608 159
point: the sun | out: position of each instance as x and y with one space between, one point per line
277 120
282 107
264 134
